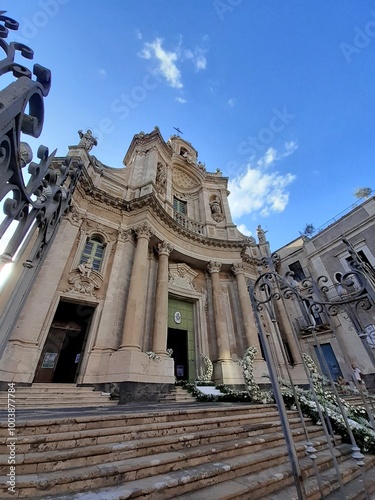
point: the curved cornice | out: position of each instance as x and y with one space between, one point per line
102 199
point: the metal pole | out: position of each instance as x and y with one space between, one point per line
279 403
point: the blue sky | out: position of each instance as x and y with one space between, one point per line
277 94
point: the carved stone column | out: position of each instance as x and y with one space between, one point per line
247 313
220 324
161 300
136 305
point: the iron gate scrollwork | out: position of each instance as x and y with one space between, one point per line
355 292
34 195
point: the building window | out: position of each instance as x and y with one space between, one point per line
94 250
179 206
296 268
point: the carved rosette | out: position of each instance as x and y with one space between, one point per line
143 231
214 266
164 248
238 268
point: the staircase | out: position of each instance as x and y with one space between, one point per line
222 451
178 395
48 396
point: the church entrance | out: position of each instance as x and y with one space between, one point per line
63 350
177 341
181 338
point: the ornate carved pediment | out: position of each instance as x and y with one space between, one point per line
184 180
182 276
85 281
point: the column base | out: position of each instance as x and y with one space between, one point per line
135 366
228 372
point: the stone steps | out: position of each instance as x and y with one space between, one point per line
255 437
262 483
263 472
197 465
56 396
163 453
178 395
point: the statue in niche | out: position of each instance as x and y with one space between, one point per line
216 210
161 178
88 141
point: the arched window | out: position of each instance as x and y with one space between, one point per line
94 250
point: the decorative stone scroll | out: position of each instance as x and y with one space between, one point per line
84 280
182 276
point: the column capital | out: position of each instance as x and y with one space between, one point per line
213 266
238 268
125 235
164 248
143 230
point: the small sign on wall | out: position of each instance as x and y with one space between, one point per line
49 360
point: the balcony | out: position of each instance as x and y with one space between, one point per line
188 224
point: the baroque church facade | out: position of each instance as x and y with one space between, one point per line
146 275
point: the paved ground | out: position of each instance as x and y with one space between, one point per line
30 414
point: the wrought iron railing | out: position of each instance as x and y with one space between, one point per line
271 287
33 195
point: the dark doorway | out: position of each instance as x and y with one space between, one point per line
62 353
330 359
178 341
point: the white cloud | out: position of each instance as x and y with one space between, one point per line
200 62
244 230
181 100
102 72
231 102
166 61
257 190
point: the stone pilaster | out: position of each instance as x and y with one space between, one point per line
24 346
220 324
247 312
136 304
161 300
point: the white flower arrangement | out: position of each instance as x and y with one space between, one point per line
208 370
152 355
253 389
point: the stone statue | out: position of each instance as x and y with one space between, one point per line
88 141
216 210
85 268
161 178
261 234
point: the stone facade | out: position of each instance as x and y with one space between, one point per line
154 235
326 254
148 275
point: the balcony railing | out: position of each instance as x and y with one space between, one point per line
189 224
